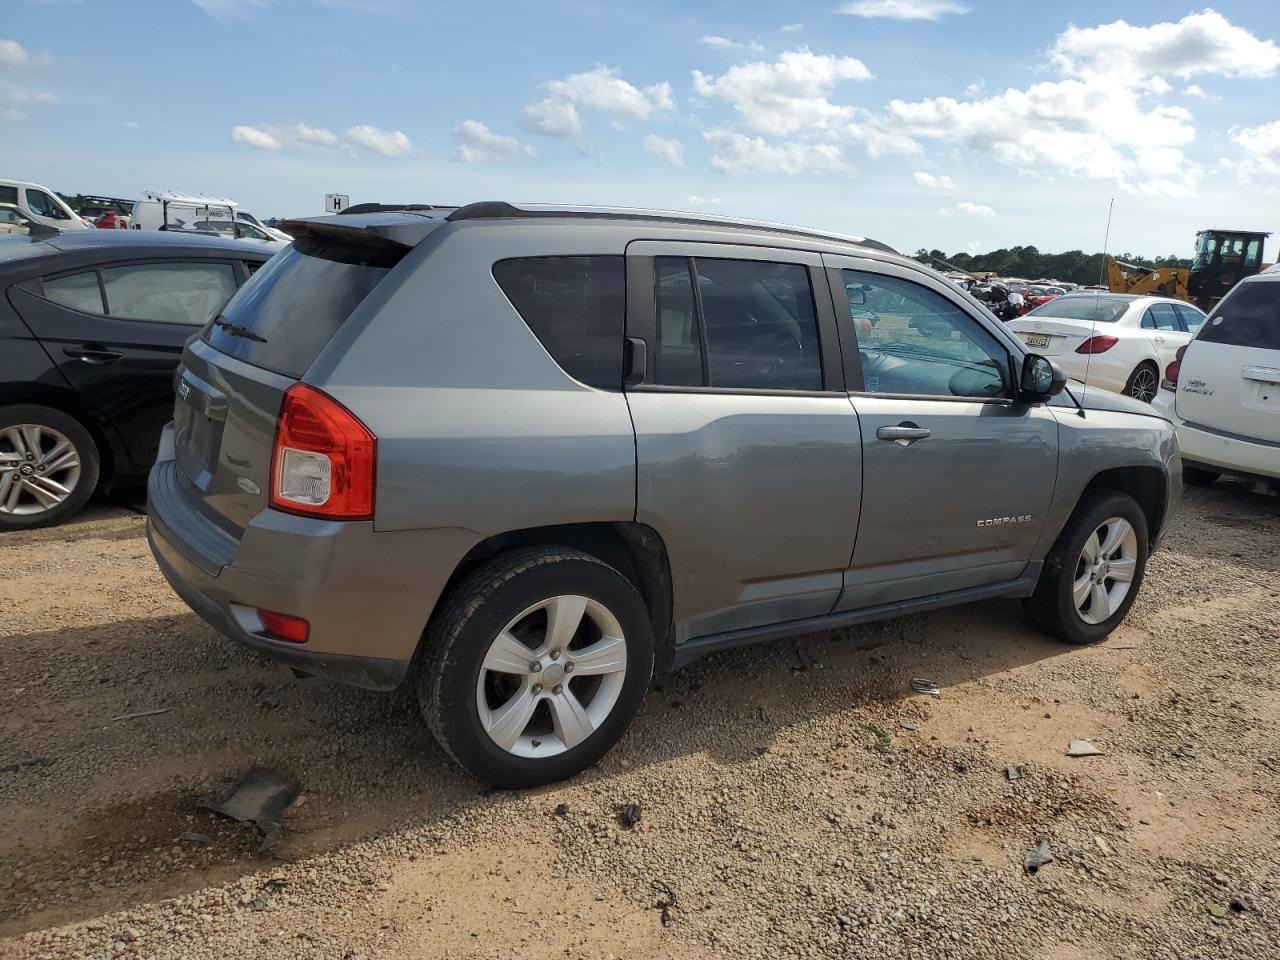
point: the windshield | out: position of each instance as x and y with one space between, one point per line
1093 309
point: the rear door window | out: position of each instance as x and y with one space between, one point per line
188 293
575 306
286 312
1248 317
9 195
1160 316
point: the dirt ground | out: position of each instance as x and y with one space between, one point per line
797 800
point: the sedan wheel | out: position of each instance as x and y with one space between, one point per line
1143 384
39 469
552 676
1104 571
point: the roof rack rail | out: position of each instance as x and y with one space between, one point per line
387 207
502 210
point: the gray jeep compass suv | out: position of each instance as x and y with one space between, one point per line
523 457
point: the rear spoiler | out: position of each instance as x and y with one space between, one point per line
386 236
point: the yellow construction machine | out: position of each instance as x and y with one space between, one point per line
1223 258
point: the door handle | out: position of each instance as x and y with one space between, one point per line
903 434
91 355
1159 339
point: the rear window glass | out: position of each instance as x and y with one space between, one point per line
1096 309
1249 317
9 195
575 307
286 312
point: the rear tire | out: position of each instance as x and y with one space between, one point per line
49 466
1143 382
1199 477
518 700
1082 596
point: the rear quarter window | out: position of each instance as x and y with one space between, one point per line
1248 317
575 307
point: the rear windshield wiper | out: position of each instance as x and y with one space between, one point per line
237 329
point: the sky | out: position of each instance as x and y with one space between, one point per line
951 124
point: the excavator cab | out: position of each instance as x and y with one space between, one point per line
1223 258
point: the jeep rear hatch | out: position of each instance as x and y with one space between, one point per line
233 379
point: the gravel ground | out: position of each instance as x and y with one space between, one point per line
795 800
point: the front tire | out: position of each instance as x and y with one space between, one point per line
1094 571
49 466
535 665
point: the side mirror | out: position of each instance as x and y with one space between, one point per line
1041 379
857 295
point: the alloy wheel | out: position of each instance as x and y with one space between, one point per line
39 469
1105 570
1144 385
551 676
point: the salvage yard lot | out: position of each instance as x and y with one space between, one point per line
795 799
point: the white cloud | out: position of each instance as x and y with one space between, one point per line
477 142
788 95
668 148
737 154
285 135
696 201
310 136
975 209
973 89
925 179
904 9
792 27
13 54
599 89
132 125
389 143
1098 120
14 114
19 95
255 137
724 43
1199 43
1194 90
1261 146
552 118
878 140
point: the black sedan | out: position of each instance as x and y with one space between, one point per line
92 325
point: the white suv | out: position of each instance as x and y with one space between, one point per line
1223 389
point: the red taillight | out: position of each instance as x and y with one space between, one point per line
1099 344
281 626
323 461
1172 370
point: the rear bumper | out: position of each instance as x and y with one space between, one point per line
1217 450
366 595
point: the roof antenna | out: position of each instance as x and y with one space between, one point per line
1097 298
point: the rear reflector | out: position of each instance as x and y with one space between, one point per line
323 461
1098 344
281 626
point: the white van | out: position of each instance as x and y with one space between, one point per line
41 205
195 211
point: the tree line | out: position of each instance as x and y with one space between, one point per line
1029 263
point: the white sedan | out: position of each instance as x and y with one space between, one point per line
1116 341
